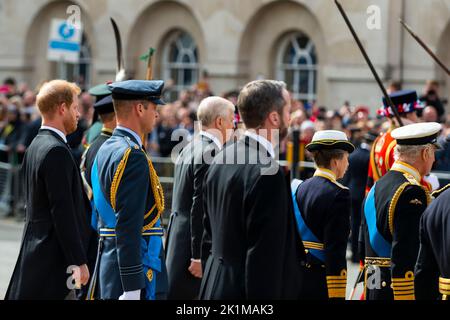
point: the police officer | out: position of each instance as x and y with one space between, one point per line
392 213
129 197
322 209
432 271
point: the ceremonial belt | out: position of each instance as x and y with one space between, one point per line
444 288
379 262
310 241
109 233
381 247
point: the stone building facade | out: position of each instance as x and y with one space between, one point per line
303 42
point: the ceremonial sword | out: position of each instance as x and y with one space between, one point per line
380 84
369 63
427 49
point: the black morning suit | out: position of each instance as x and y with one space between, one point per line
186 223
256 250
56 222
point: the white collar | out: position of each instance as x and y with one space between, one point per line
57 131
265 143
134 134
212 137
403 167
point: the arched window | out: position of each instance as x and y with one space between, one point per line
180 62
297 66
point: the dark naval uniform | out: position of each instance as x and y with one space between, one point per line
322 211
256 252
186 223
322 208
432 273
390 225
56 228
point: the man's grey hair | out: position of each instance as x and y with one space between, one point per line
212 108
410 153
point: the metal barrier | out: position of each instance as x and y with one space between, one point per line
6 172
12 197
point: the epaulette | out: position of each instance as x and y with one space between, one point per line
437 193
398 193
411 179
131 143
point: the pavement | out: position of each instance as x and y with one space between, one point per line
11 235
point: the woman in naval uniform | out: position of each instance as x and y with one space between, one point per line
322 209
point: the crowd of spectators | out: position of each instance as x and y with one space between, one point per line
20 121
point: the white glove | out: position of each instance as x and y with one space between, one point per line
131 295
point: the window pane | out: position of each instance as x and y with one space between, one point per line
304 81
302 61
173 55
186 59
182 58
188 76
289 54
297 66
313 55
289 79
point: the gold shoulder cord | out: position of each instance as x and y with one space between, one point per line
393 205
118 177
395 199
158 194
